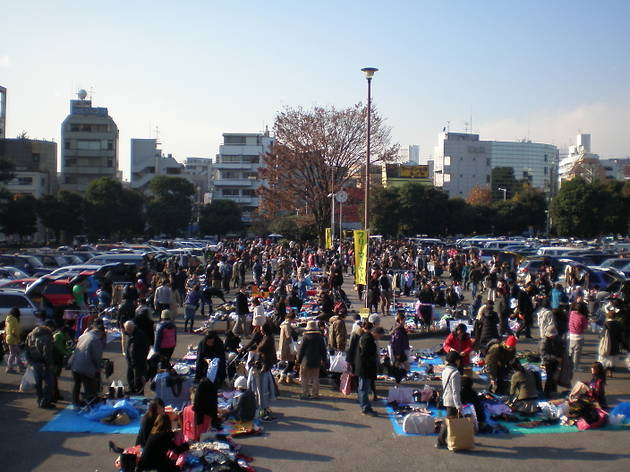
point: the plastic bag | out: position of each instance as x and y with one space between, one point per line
100 412
127 407
622 409
28 380
338 362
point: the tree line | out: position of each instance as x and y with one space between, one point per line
110 210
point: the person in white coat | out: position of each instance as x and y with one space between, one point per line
451 397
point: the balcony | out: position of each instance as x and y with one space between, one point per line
235 182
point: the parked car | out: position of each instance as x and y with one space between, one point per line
8 273
29 313
616 262
19 284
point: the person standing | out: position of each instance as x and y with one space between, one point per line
86 362
163 297
337 338
191 303
144 321
287 353
39 353
165 336
451 397
311 358
366 364
400 349
136 352
12 331
242 310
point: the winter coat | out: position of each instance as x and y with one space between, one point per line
486 328
242 308
523 385
287 334
465 346
87 356
366 360
12 330
312 352
399 342
144 323
577 323
39 346
451 386
267 350
337 334
137 349
546 323
165 335
498 358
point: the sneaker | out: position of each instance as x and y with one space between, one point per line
268 418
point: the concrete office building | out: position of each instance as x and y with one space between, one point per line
35 165
578 153
236 167
460 163
89 145
3 112
536 163
147 162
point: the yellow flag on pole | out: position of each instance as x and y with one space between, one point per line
360 257
328 238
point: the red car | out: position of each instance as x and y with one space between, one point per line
57 292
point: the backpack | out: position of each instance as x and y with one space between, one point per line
417 423
32 349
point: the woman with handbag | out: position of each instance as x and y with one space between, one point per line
399 349
611 340
451 396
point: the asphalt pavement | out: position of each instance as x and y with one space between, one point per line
329 434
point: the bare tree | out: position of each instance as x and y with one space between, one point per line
316 152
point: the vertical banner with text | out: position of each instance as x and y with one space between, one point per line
360 257
328 238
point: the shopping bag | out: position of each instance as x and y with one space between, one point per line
338 362
461 434
348 383
28 380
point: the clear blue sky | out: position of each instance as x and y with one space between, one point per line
197 69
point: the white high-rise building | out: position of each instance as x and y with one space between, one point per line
580 151
409 155
236 167
147 161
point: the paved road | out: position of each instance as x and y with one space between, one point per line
329 434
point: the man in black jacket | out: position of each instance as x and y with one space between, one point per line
136 352
144 321
242 309
366 365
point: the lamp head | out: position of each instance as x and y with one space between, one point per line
369 72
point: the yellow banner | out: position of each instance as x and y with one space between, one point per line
328 238
360 257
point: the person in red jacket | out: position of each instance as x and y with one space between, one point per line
460 342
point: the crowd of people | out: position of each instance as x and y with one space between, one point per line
262 340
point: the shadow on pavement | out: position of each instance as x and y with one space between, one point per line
283 454
548 452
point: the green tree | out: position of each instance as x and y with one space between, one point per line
423 210
169 209
298 228
132 218
503 177
385 212
221 217
19 216
579 207
63 212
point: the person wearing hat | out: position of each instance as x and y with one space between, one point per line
612 332
311 357
451 396
497 360
243 404
39 354
366 365
165 336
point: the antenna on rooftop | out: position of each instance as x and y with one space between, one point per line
91 93
157 135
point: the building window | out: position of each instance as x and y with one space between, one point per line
66 145
231 159
230 192
71 162
87 128
488 163
487 179
110 162
251 159
546 170
235 140
36 157
248 192
85 145
230 174
25 180
110 145
74 127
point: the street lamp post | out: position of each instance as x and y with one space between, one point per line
369 73
504 190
